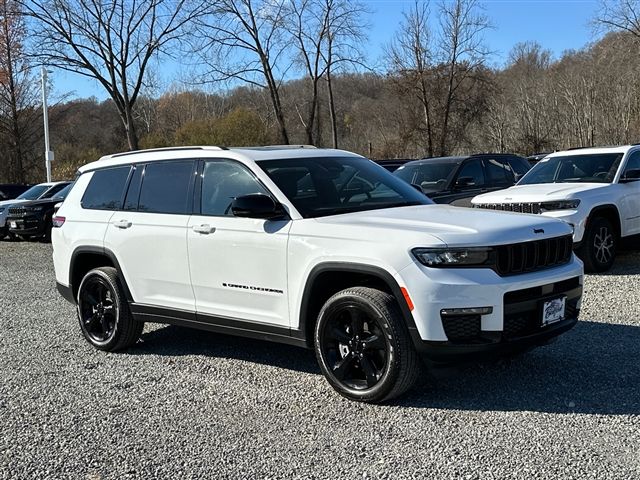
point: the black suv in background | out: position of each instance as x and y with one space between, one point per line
9 191
456 180
33 219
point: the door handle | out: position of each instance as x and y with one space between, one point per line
122 224
205 229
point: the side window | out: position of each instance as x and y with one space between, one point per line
165 187
499 172
471 174
222 181
105 189
634 162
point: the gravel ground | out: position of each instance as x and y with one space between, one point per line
188 404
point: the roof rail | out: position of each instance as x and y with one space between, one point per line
163 149
276 147
595 146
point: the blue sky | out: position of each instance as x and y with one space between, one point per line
557 25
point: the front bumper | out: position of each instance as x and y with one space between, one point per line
575 218
515 318
447 352
28 225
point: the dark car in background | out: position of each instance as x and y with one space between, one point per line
36 192
34 218
533 159
9 191
392 164
456 180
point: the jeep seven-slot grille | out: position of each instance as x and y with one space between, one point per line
531 256
511 207
17 211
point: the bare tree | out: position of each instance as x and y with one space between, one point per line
308 26
111 41
619 15
463 53
346 24
18 93
411 60
244 40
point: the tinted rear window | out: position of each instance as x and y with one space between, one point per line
165 187
105 189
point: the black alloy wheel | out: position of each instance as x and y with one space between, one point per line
98 311
363 345
103 311
355 348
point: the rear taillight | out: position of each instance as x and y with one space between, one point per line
57 222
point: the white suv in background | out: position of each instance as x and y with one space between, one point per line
317 248
595 190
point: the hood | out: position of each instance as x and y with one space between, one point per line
47 202
8 203
540 192
452 226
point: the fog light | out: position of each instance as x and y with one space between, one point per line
466 311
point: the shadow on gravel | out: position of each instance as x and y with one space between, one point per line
627 263
594 368
175 341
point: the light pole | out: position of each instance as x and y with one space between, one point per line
48 154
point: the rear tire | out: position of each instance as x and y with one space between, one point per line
363 346
103 311
599 245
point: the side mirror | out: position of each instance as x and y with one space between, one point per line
463 182
632 175
257 206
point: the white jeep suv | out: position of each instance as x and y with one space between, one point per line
595 190
317 248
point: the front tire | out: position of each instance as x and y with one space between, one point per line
363 346
103 312
599 246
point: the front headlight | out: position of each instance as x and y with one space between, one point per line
455 257
1 209
559 205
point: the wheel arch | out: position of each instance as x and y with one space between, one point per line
611 213
328 278
87 258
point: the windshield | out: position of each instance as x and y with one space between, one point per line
33 193
586 168
431 177
333 185
62 194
